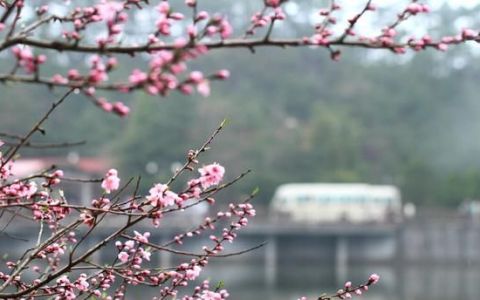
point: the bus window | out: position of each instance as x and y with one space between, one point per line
303 199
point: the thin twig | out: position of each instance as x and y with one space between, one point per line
35 128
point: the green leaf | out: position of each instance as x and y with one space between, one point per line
224 123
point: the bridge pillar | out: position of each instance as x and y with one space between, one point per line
164 257
86 194
400 261
271 261
341 259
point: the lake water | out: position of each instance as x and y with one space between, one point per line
250 281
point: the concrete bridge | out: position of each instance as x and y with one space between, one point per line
340 245
337 244
334 244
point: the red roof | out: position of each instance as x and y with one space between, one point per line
88 165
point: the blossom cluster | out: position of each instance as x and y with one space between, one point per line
60 265
41 200
107 31
349 290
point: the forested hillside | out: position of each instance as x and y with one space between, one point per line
296 116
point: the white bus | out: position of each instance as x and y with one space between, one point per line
336 202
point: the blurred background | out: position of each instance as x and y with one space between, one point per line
411 122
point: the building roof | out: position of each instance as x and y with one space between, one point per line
87 165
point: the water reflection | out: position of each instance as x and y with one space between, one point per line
246 281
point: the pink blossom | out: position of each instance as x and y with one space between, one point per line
163 7
191 2
63 280
137 77
186 89
176 16
27 60
180 42
123 257
160 196
146 254
163 26
389 32
196 77
90 91
97 76
192 31
105 105
152 39
57 78
373 279
156 192
111 182
112 62
73 74
42 9
209 295
194 188
202 15
193 273
211 30
87 218
29 190
226 29
223 74
273 3
211 175
442 47
142 237
129 244
107 9
40 59
120 109
469 33
203 88
415 8
98 70
152 89
82 284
